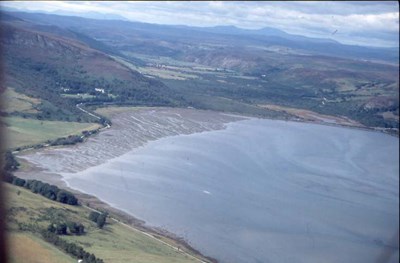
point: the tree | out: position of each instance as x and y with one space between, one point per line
101 220
93 216
80 229
10 163
74 228
66 198
61 229
51 228
71 248
8 177
18 181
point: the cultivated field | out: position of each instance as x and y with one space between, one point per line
24 132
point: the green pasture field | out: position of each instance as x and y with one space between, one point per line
18 102
24 132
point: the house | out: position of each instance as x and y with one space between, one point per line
99 90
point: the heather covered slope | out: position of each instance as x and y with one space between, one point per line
53 64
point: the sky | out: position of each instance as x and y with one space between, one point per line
357 23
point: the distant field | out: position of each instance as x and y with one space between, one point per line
311 115
169 68
165 72
78 96
27 248
18 102
390 115
114 243
23 132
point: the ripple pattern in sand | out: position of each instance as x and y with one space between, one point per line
130 130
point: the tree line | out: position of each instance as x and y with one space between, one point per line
10 163
38 187
52 232
69 248
70 227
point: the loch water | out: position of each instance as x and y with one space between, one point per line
262 191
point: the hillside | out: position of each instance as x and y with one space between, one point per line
51 63
220 68
29 213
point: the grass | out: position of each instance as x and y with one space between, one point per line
27 248
24 132
390 115
167 72
78 96
311 115
114 243
18 102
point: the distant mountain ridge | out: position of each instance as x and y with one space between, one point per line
265 31
90 14
219 34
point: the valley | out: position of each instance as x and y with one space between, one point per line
236 70
151 112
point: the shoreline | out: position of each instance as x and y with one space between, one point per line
32 170
116 214
119 215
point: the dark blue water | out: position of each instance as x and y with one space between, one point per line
262 191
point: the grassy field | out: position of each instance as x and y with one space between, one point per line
27 248
167 72
114 243
78 96
18 102
308 115
23 132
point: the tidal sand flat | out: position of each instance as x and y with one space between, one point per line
130 129
256 191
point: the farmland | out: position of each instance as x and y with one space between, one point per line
23 128
24 132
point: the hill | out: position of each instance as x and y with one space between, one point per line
46 62
220 68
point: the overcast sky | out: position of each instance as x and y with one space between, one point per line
360 23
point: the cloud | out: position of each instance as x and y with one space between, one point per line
372 23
